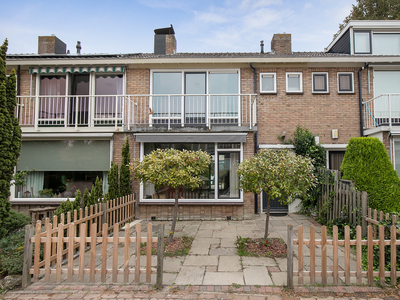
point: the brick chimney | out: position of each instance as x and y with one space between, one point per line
281 43
51 45
164 41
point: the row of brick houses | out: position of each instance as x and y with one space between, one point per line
76 111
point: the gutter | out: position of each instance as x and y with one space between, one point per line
255 137
360 98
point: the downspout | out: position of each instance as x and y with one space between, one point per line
360 98
255 137
18 87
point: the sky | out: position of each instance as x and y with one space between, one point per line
116 26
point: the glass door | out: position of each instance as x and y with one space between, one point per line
195 101
228 180
79 103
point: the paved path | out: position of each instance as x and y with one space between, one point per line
213 269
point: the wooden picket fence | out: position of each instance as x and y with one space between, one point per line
347 273
114 213
66 241
372 219
341 198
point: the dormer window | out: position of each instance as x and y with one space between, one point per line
362 42
386 43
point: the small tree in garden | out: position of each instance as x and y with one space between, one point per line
96 192
112 178
172 168
125 178
281 174
86 198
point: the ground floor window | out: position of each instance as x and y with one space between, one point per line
220 180
57 169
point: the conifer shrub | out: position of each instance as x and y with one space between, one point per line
367 163
125 175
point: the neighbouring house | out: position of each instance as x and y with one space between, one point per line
76 111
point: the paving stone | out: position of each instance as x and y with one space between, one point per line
200 249
223 251
279 278
172 264
190 275
255 275
201 261
258 261
223 278
229 264
228 243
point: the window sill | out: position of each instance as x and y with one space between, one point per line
300 92
192 203
346 92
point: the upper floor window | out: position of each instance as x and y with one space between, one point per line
386 43
362 42
267 82
345 82
320 82
294 82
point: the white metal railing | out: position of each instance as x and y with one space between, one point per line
137 110
383 110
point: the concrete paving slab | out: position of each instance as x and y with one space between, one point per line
228 243
223 278
258 261
205 240
201 249
229 264
223 251
190 275
201 260
173 264
279 278
204 233
255 275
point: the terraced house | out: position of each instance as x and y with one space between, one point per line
76 111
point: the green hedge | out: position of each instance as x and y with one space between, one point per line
367 163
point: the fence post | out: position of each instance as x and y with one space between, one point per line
160 256
104 210
290 257
26 277
364 205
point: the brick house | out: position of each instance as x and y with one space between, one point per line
76 111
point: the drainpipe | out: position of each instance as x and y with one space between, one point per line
18 79
255 137
360 98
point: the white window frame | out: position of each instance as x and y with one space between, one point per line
327 82
201 201
352 82
300 74
262 75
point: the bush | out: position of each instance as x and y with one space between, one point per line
366 163
13 222
12 254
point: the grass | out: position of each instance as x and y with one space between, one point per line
178 247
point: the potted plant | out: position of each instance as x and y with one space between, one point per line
45 193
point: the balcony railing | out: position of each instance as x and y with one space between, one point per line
130 111
383 110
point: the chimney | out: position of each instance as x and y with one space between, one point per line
262 46
78 47
51 45
164 41
281 43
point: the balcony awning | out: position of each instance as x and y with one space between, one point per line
63 70
191 137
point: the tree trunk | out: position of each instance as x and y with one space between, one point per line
267 218
171 233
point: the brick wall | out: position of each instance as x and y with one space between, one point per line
320 113
281 43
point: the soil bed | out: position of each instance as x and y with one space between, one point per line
273 247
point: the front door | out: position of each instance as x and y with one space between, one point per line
276 206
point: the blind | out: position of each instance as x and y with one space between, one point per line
386 44
65 155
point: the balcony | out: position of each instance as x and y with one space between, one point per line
131 112
383 110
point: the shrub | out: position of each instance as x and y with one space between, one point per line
366 163
12 254
13 222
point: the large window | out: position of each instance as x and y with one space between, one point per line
220 180
386 82
63 166
195 97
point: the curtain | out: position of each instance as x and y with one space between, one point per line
319 83
52 107
105 182
34 183
234 178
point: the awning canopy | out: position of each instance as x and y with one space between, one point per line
63 70
191 138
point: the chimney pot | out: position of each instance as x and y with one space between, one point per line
78 47
262 46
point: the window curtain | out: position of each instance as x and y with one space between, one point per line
319 83
105 182
52 107
34 183
345 82
234 178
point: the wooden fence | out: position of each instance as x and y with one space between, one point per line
372 219
340 198
66 241
113 213
347 273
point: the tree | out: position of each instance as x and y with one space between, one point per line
112 179
367 163
96 192
373 10
281 174
172 168
10 133
125 178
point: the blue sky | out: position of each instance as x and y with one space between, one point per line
114 26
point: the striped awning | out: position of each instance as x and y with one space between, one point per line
63 70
